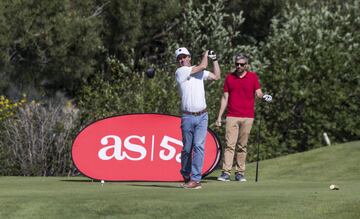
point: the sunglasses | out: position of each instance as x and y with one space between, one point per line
240 64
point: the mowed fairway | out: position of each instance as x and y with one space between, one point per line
294 186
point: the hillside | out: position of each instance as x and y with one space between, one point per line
336 162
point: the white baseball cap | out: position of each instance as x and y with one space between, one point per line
182 50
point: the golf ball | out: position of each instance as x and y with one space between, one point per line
334 187
102 181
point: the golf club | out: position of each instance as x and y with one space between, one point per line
258 143
258 149
150 72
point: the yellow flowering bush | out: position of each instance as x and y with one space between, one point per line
8 107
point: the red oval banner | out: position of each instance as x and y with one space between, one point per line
136 147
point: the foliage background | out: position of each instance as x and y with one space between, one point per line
92 55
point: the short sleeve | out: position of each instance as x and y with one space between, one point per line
226 88
182 73
206 74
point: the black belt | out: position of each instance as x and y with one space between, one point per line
195 113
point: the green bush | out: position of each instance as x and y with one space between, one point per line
308 63
123 90
313 73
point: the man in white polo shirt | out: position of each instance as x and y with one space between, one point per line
194 116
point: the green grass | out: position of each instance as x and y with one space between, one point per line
294 186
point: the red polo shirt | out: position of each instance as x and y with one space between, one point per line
241 94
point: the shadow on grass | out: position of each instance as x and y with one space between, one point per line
204 181
158 186
177 185
211 178
77 180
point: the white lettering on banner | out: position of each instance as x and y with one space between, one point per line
167 153
118 154
165 144
135 147
117 148
152 147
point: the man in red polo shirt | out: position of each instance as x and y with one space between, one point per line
240 89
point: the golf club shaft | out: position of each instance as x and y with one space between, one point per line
258 149
175 62
150 72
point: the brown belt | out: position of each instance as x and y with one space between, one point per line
195 113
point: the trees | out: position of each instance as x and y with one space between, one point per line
47 44
296 63
257 15
122 89
137 28
313 74
97 51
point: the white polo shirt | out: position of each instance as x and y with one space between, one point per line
191 88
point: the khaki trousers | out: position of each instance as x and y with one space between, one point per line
237 136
